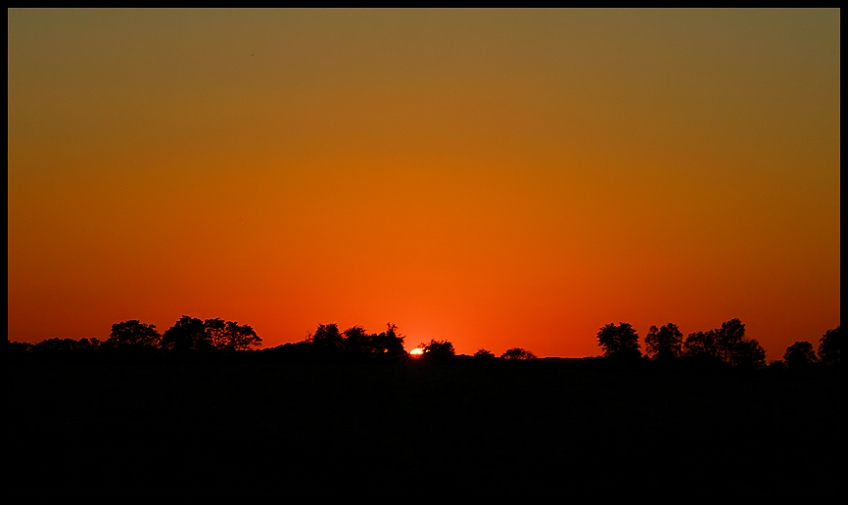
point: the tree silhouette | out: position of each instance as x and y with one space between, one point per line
438 349
517 353
327 338
133 334
357 341
388 342
64 345
230 336
799 354
701 344
748 353
620 341
830 347
728 338
664 343
727 344
187 334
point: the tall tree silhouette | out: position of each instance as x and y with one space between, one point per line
619 341
664 343
728 338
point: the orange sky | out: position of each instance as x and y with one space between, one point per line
494 178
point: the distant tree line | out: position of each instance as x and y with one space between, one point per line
726 344
187 334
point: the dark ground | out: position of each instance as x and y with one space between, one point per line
560 429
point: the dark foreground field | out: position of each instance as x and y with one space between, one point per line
404 429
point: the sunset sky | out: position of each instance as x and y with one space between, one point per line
497 178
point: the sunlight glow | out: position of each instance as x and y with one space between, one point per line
417 352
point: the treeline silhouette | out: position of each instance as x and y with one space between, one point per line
187 334
726 345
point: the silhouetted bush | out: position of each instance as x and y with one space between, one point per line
517 353
483 354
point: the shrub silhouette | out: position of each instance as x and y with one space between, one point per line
517 353
483 354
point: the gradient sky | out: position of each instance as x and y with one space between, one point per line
496 178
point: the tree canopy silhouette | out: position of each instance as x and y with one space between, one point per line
187 334
664 343
355 341
701 344
230 336
133 334
438 349
726 344
619 341
484 354
830 347
64 345
327 338
799 354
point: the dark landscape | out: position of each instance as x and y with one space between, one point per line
247 425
